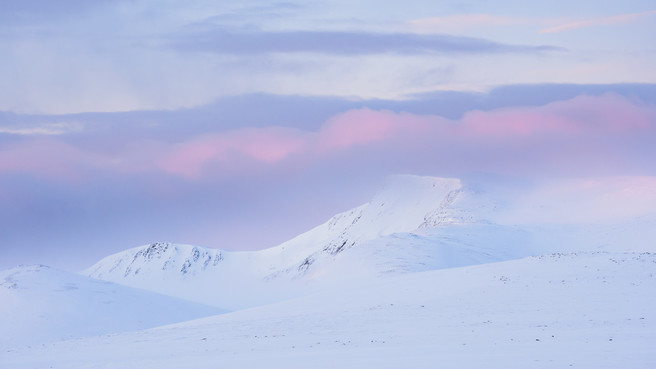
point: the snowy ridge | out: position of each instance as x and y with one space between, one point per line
406 204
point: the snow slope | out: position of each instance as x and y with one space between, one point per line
413 224
40 304
581 310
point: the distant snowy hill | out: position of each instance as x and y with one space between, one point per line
413 224
580 310
40 304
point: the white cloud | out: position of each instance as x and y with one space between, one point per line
49 129
119 59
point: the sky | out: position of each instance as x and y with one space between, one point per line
240 124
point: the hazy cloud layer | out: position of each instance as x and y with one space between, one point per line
580 131
112 55
25 11
345 43
302 112
543 25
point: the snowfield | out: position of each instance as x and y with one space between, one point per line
589 310
433 272
40 304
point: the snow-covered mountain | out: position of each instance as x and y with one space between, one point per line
431 270
413 224
324 255
40 304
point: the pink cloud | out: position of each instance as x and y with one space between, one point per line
269 145
458 22
608 21
594 132
187 158
266 145
274 144
365 126
47 158
609 112
463 22
584 134
581 115
519 123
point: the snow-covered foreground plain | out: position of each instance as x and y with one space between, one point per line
579 310
41 304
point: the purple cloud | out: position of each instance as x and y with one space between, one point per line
344 43
14 11
579 124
